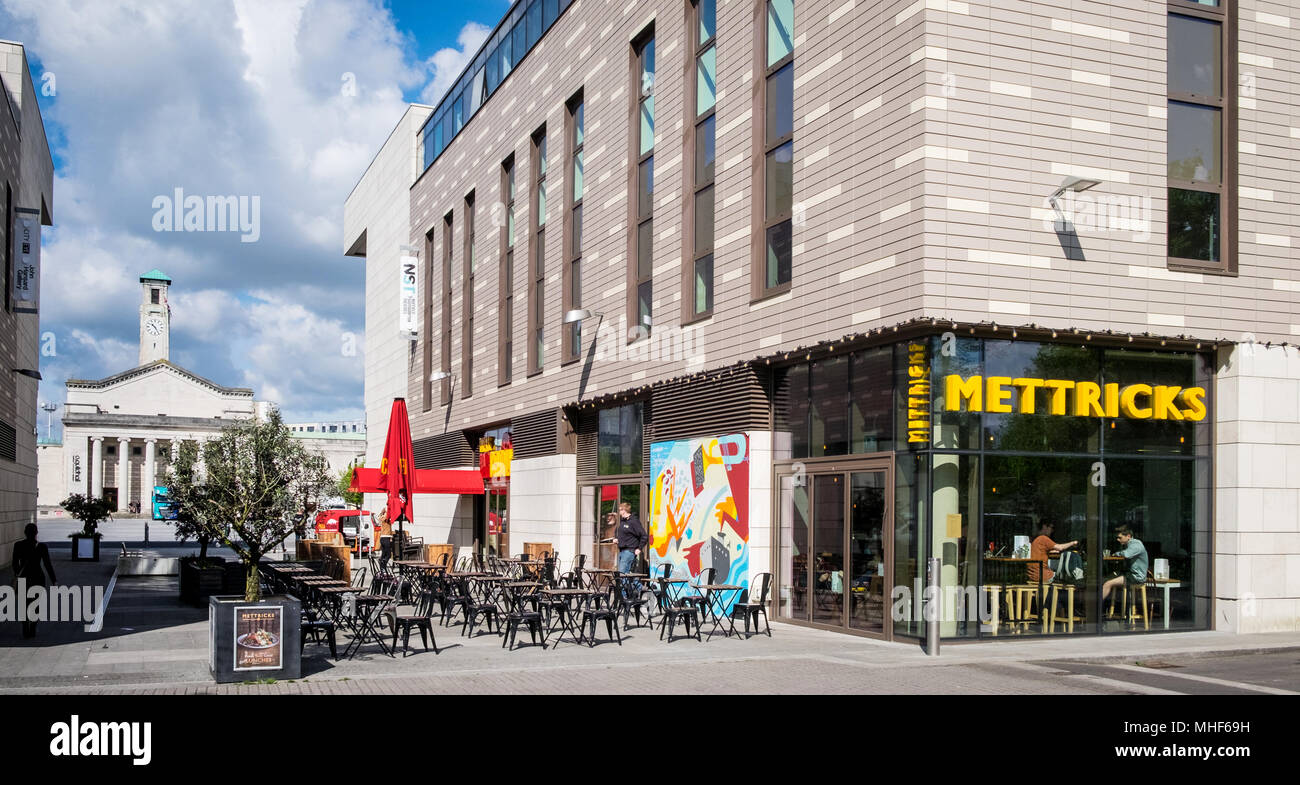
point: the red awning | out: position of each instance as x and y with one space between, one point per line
426 481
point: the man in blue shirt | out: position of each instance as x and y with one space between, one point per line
1135 562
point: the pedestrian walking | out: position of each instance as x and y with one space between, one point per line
28 558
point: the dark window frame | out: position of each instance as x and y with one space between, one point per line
571 275
637 219
536 256
694 124
1226 15
506 278
467 302
426 386
445 367
759 290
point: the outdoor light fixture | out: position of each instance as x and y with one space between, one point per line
438 376
1075 184
579 314
28 372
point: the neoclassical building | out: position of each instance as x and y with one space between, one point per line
118 431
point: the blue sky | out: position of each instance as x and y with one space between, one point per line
222 98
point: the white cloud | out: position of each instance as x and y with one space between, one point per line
446 64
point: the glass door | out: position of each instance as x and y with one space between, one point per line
835 555
603 521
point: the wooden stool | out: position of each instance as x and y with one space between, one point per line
1055 603
1021 599
1129 610
995 590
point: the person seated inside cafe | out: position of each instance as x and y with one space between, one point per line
1135 562
1039 551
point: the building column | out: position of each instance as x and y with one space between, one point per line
123 473
147 480
96 467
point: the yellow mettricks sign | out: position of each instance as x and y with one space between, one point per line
1063 397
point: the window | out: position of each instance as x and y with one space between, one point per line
641 242
619 441
9 247
698 294
575 132
537 258
773 262
1202 157
506 278
153 296
446 309
426 385
467 304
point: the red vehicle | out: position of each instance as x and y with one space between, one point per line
351 523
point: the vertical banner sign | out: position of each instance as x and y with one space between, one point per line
27 260
258 633
918 392
407 323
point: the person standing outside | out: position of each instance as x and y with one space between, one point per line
632 537
1135 562
385 534
29 556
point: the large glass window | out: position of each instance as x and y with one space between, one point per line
641 266
537 264
576 126
699 292
506 278
1201 154
619 445
467 303
838 406
778 148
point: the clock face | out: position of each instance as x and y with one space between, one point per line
154 326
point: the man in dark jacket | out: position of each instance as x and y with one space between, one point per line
632 538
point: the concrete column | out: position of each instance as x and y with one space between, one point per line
147 481
123 473
96 467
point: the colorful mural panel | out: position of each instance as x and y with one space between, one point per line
699 507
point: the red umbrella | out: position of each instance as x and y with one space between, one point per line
398 478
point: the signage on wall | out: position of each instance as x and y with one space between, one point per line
26 280
407 323
1005 395
918 393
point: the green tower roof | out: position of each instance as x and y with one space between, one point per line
155 275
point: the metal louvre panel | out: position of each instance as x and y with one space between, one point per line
445 451
534 435
586 424
8 442
710 407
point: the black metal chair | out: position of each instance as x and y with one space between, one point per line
521 608
747 607
700 599
632 600
573 578
421 619
485 607
455 600
602 606
316 623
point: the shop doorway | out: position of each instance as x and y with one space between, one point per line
835 560
599 502
492 517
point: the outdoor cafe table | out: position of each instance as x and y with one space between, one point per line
363 625
600 578
715 603
569 616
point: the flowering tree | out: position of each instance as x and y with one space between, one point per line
255 487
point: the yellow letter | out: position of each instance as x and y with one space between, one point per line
1087 397
1128 401
1112 400
955 390
997 399
1163 403
1194 399
1058 388
1028 390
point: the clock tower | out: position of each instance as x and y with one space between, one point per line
155 317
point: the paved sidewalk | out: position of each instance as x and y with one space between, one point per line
152 643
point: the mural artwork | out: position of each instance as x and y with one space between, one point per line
699 507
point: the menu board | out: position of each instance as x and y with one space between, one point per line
259 634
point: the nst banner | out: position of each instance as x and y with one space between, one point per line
27 260
407 321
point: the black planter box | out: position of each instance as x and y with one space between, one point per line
77 547
250 641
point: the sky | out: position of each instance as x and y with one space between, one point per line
279 103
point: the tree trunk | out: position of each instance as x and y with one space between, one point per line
252 588
203 550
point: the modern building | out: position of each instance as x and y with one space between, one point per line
27 176
118 431
829 289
